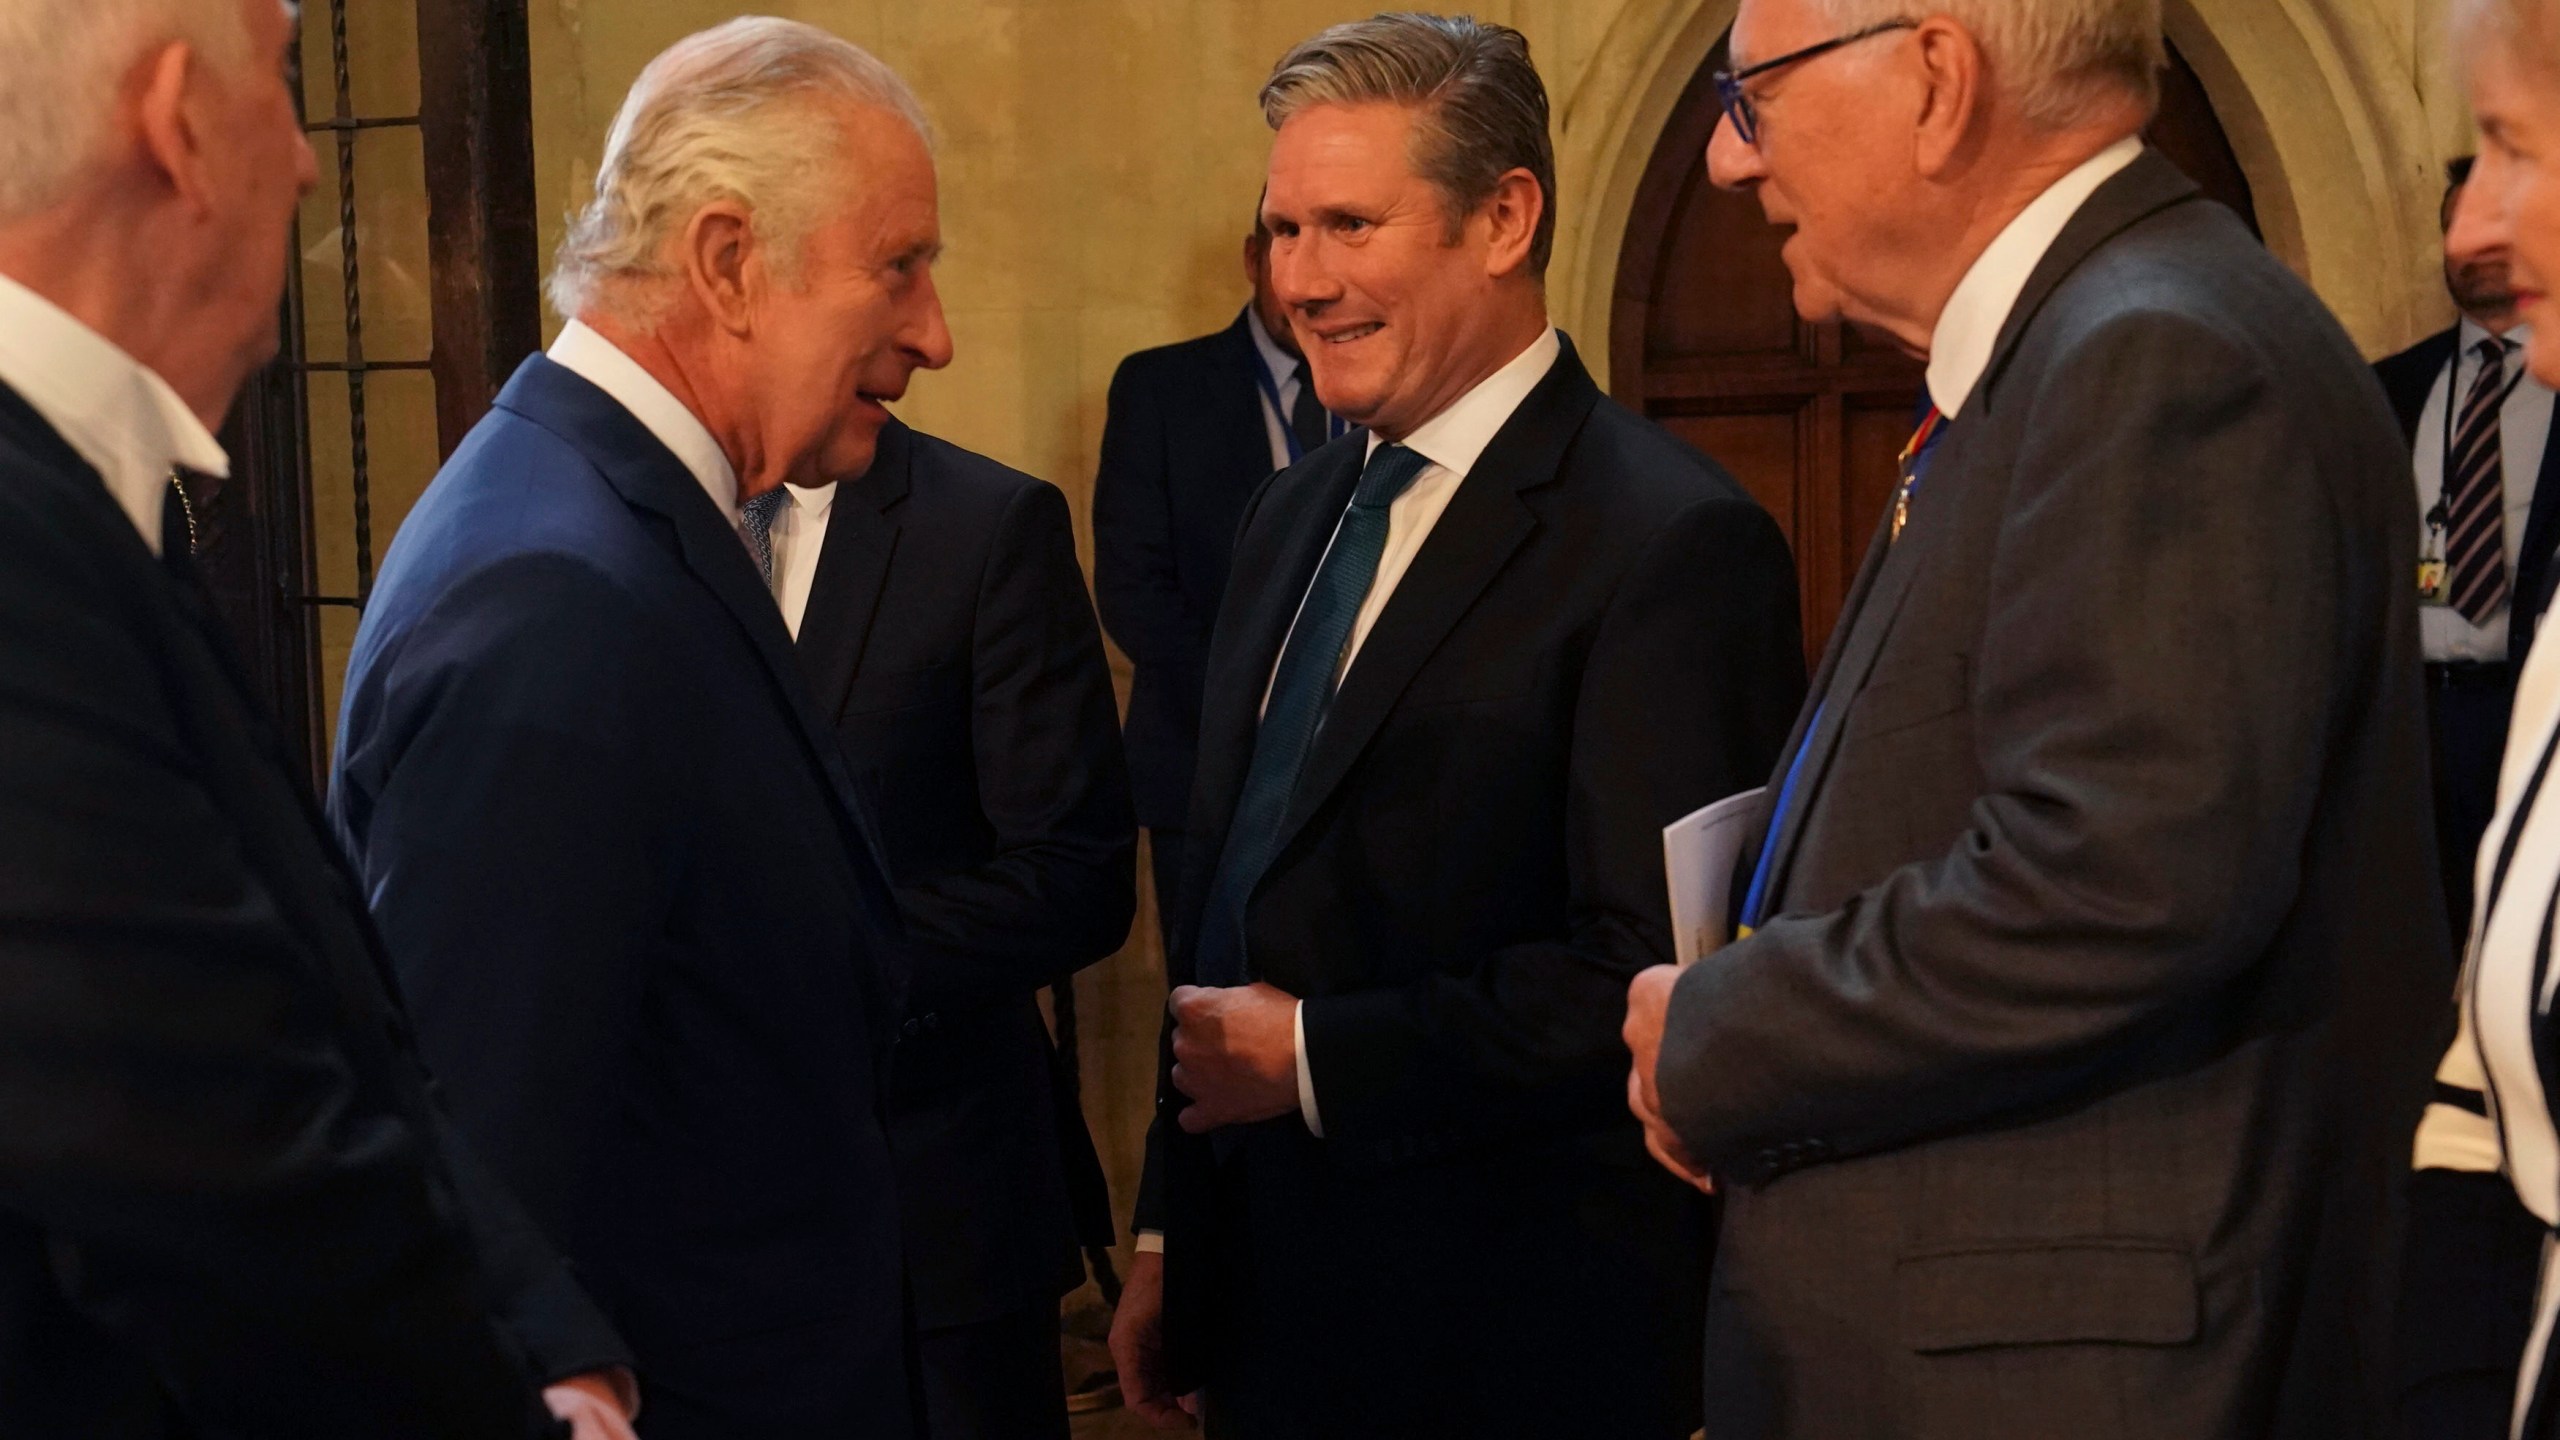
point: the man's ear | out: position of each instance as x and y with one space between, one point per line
1955 86
723 265
165 103
1511 216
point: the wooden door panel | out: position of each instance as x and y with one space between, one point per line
1760 450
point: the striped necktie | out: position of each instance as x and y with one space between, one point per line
1301 694
2475 496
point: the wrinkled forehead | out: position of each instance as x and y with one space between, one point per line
1766 29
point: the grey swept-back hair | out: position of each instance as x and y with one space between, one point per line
742 111
2059 60
1482 108
62 65
2529 27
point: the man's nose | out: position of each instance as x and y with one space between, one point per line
929 335
1732 162
306 166
2479 224
1298 273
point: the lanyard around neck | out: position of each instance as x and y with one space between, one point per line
1334 428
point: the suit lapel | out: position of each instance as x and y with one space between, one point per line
1865 624
1475 537
2535 568
853 569
1306 504
649 477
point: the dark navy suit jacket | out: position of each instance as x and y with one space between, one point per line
636 911
950 643
1183 447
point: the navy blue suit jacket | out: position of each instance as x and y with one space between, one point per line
2409 378
637 912
1183 447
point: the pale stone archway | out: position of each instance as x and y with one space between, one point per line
2319 98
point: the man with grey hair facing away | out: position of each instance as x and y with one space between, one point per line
627 884
2095 957
1472 659
229 1205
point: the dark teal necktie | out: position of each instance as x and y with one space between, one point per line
1301 694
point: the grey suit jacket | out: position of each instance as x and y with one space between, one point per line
2066 1092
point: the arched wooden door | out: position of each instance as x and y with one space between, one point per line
1705 341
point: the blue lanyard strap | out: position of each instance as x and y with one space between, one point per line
1334 426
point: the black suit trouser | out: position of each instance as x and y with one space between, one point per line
2467 709
1000 1379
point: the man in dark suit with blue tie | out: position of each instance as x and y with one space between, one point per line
624 876
1192 429
1473 659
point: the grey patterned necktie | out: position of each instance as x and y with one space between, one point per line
755 524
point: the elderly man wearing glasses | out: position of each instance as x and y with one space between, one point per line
2094 948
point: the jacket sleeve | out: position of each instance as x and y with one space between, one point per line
1690 686
1062 888
2171 634
516 856
1135 578
225 1179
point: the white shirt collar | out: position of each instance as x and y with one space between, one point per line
2472 332
1282 365
1456 438
814 502
601 363
109 407
1970 326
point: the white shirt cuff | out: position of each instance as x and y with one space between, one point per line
1306 1077
1150 1242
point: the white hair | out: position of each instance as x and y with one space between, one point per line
745 112
62 66
2060 61
2526 27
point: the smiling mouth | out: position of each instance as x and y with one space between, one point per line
1356 332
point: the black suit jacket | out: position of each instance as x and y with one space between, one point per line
228 1205
2409 378
949 639
1598 636
2082 1058
630 896
1183 447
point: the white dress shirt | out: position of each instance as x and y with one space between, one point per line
2524 430
110 408
1282 367
799 535
601 363
1969 328
1452 441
